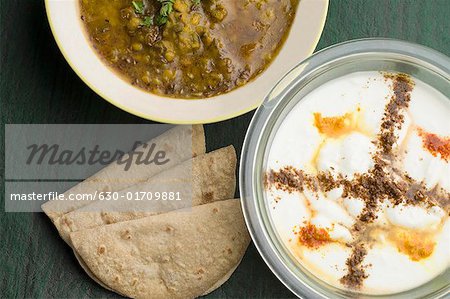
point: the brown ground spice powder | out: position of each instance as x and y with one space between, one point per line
356 273
393 119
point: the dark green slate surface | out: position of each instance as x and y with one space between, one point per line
37 86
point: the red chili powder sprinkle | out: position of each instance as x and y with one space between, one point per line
436 144
313 237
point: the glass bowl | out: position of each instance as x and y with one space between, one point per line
388 55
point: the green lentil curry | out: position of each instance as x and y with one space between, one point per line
188 48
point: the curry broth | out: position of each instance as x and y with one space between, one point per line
203 49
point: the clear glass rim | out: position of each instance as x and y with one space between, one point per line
253 153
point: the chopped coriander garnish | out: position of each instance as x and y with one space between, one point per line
138 6
148 21
166 9
161 20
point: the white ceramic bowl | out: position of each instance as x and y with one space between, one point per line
64 19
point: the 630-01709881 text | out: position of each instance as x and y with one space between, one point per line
104 195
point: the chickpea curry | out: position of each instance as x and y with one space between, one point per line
188 48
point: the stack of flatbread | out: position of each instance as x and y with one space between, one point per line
174 251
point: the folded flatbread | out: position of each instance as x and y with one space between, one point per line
180 254
203 179
114 177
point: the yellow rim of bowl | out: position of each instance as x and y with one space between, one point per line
156 118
